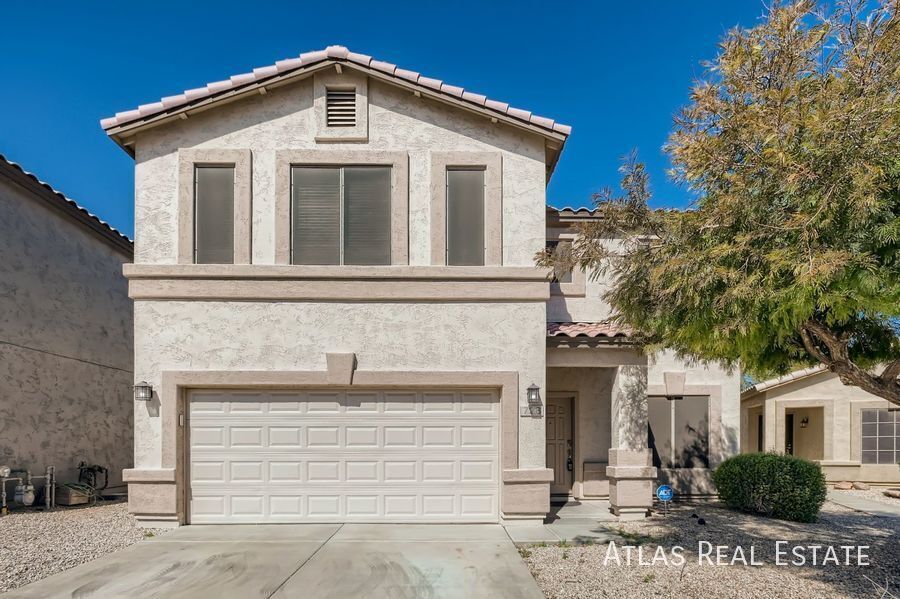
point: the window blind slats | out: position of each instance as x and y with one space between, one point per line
316 215
214 214
367 215
465 217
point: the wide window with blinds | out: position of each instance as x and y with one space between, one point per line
465 217
679 431
214 214
341 215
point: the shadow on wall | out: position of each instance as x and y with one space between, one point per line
631 405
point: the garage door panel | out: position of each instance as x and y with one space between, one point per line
367 456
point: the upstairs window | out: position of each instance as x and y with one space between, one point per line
341 215
213 214
880 437
465 216
340 107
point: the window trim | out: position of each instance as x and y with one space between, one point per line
492 163
188 161
399 163
577 287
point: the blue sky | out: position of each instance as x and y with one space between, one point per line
615 71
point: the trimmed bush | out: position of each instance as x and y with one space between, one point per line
771 484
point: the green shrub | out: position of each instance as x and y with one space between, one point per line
771 484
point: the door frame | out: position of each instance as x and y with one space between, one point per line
577 466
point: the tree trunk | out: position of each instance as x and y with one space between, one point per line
832 350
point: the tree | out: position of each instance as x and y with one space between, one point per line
789 255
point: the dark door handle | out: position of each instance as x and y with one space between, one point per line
569 463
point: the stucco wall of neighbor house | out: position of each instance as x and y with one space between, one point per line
284 119
294 335
823 396
61 292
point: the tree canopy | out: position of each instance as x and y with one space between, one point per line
789 255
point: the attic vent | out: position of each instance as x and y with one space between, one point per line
340 107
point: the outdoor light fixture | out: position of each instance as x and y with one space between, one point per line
143 391
533 396
4 471
804 422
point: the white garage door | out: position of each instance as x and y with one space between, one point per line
339 456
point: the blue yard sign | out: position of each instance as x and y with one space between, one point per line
665 494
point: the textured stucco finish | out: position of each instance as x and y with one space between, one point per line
295 336
61 291
834 433
284 119
295 333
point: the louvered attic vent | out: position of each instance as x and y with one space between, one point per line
340 107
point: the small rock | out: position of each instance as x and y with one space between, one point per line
694 516
861 486
895 493
701 521
843 486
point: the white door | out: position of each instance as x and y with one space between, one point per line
344 456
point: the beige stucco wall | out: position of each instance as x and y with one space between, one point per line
61 292
834 407
283 119
295 335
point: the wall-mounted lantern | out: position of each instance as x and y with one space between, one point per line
143 391
805 422
534 407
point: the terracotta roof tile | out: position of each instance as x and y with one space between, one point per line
332 53
587 329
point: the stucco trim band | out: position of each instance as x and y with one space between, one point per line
348 291
399 163
493 202
188 159
170 500
284 271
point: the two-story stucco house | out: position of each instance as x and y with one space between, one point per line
337 309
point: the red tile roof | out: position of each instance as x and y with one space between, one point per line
587 329
319 58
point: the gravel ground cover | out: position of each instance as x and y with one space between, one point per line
876 494
35 545
580 571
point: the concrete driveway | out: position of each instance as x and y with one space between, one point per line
304 560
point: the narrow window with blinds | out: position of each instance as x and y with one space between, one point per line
341 215
214 214
465 217
340 107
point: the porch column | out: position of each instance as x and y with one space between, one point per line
630 471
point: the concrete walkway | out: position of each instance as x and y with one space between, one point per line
304 560
574 522
864 504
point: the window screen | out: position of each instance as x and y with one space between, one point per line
679 432
367 215
465 217
341 215
880 437
214 214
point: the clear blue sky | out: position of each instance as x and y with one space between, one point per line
615 71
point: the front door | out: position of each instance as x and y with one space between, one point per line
559 444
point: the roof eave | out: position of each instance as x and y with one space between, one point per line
121 133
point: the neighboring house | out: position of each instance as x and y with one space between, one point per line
337 309
65 333
854 435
